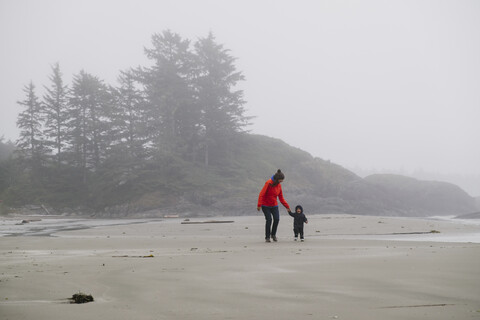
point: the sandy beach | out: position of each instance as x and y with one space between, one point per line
349 267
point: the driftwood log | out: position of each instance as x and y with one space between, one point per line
208 221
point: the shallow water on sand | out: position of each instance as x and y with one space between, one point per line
49 225
460 237
46 226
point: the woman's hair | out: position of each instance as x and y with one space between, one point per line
278 176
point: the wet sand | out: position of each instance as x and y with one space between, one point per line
348 268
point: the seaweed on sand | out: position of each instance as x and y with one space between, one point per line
81 298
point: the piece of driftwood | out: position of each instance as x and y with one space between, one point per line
208 221
382 234
126 256
46 210
419 306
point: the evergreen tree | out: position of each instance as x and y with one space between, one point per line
88 125
221 105
55 108
168 87
30 144
6 164
6 148
128 116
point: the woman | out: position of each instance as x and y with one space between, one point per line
267 200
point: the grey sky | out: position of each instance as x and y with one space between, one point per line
384 85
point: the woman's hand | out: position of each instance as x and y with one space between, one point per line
258 208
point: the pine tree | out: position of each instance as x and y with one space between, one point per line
89 101
128 116
221 105
30 145
6 164
169 92
6 148
55 108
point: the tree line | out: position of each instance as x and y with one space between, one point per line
183 108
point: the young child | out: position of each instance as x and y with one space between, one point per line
298 219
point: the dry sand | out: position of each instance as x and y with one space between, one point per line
168 270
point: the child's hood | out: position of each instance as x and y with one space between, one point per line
299 207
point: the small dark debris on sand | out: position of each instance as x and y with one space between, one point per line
25 221
81 298
208 221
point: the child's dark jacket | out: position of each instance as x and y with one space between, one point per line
298 218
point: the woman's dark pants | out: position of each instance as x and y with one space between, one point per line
269 212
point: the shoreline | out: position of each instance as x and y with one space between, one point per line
457 230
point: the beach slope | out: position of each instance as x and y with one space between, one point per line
348 268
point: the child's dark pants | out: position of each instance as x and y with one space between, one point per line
298 230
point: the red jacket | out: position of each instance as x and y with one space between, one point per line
268 195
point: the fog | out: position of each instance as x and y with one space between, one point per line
375 86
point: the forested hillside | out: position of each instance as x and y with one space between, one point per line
98 144
171 137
